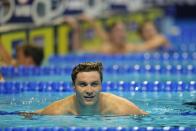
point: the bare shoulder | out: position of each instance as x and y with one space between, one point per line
116 99
120 106
58 107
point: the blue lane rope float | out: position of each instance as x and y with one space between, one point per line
156 86
175 56
114 69
100 129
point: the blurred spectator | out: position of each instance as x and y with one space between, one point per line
26 55
152 39
114 38
73 23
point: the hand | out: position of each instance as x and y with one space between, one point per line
71 21
27 115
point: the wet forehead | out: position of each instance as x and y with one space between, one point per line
88 76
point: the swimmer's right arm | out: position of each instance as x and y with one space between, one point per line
29 115
56 108
46 111
49 110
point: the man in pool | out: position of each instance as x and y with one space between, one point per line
88 98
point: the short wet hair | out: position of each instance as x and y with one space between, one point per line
33 51
87 67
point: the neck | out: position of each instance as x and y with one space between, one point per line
87 109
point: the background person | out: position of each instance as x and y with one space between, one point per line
26 55
114 38
152 39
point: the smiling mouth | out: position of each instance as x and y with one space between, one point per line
89 97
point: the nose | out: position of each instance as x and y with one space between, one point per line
89 93
89 90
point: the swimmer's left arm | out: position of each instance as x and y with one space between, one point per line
122 106
132 109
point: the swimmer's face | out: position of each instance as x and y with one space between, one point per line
118 34
148 31
87 87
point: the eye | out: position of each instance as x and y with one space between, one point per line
94 84
82 84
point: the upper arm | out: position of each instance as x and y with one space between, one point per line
126 107
100 31
132 109
150 45
98 28
122 106
155 43
49 110
52 109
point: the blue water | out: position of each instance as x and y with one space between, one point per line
166 109
138 77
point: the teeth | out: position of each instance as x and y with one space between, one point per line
88 96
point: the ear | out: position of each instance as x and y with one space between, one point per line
73 85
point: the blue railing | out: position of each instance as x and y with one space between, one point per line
177 56
117 69
156 86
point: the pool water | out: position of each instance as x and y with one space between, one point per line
165 108
151 77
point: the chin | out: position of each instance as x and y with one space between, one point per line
89 103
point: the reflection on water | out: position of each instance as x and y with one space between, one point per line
166 109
